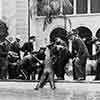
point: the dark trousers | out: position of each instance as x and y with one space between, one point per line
46 76
97 77
12 71
3 67
79 69
59 70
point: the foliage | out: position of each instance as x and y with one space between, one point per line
50 8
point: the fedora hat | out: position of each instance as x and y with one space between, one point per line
70 34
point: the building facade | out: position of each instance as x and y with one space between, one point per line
15 14
62 15
83 14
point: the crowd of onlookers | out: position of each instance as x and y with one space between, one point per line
32 62
49 61
24 65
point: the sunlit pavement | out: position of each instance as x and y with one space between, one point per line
64 91
88 78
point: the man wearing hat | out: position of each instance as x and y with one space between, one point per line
28 47
15 46
61 56
3 50
80 54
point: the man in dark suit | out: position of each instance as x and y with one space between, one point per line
3 50
28 47
80 54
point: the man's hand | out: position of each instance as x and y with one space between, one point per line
37 64
41 62
76 59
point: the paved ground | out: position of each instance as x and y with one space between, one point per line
64 91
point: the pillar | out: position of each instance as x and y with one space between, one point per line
0 9
70 45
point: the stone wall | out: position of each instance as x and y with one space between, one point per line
9 15
22 19
15 14
91 22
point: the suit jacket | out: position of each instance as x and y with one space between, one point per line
3 50
28 46
79 48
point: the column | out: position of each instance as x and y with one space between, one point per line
61 7
74 7
94 49
89 6
22 18
0 9
28 19
70 45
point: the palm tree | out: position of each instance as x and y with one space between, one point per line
51 7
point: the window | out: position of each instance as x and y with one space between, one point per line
95 6
67 7
53 7
39 7
46 7
81 6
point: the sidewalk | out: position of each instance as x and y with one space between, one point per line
63 91
68 79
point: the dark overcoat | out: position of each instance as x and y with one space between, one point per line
3 60
80 50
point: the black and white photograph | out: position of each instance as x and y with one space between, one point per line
49 49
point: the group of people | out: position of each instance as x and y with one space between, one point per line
12 65
48 62
26 65
56 59
59 56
